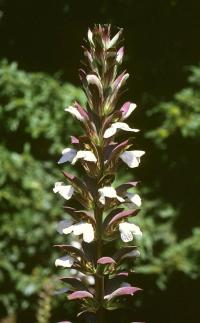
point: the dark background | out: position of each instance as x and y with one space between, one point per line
161 41
161 37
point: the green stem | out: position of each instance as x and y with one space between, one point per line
99 279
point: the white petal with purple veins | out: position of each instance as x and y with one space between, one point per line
128 231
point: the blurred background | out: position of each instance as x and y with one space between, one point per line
40 55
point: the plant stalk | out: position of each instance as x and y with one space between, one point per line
99 278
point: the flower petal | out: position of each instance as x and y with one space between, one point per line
65 191
110 192
65 226
106 261
134 198
120 55
132 157
128 230
67 155
86 155
93 79
66 261
114 40
128 290
86 229
79 295
88 233
127 109
90 36
118 125
74 111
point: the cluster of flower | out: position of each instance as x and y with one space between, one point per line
100 217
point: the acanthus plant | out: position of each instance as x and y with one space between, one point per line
102 211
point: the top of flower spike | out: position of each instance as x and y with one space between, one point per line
100 79
101 37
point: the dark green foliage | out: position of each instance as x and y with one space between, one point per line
33 122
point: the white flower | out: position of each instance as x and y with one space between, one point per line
132 157
90 36
68 155
134 198
86 155
113 41
127 109
118 125
66 261
72 155
128 231
65 191
74 111
110 192
90 279
84 228
65 224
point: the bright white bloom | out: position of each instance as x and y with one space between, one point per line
74 111
65 191
86 155
110 192
134 198
68 155
132 157
117 125
72 155
65 224
84 228
66 261
90 279
128 231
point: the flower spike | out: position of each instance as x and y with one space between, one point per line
102 211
